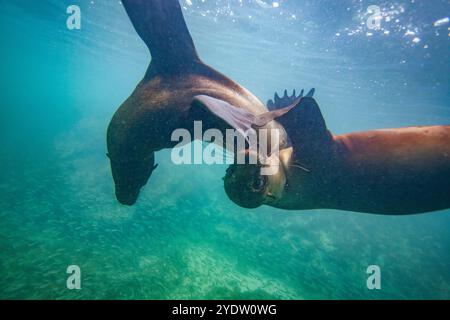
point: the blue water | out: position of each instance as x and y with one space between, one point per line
185 239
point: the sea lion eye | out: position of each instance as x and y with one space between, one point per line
259 182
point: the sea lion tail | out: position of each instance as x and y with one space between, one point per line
161 25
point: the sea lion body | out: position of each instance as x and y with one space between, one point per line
161 103
393 172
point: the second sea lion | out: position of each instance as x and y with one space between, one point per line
391 172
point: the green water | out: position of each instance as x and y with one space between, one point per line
185 239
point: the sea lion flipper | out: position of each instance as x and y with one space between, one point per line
220 114
286 100
311 92
161 25
303 122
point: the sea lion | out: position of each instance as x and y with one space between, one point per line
175 91
392 172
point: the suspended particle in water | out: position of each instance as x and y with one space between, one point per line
441 22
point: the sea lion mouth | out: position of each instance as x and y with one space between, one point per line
127 195
271 196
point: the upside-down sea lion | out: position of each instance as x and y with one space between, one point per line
165 99
393 171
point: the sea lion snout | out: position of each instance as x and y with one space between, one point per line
127 195
130 176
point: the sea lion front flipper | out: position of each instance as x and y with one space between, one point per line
302 121
131 171
221 115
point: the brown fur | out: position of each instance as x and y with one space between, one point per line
394 171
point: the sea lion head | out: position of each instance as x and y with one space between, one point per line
130 175
249 185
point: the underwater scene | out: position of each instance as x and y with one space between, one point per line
184 238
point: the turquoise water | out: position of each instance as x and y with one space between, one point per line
184 239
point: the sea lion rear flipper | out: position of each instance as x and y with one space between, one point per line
161 25
304 124
286 100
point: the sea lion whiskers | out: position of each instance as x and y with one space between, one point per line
299 167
